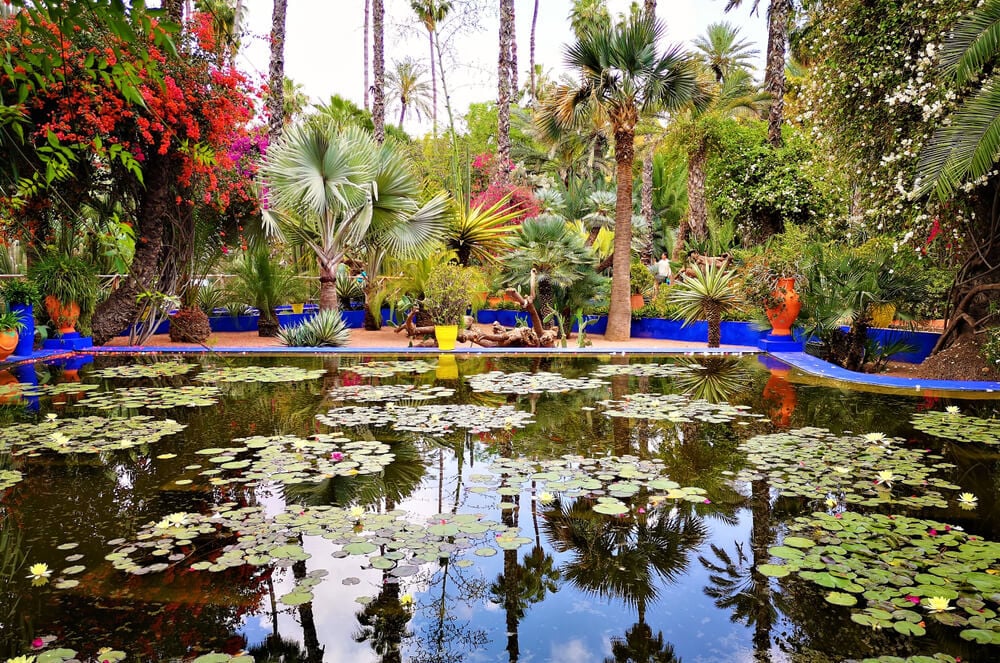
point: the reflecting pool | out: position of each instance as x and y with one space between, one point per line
491 508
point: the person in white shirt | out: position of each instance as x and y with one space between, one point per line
663 273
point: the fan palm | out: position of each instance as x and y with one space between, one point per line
966 148
336 190
407 86
264 284
707 295
622 73
723 51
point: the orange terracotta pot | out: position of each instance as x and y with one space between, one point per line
637 302
783 316
10 394
63 315
780 395
8 341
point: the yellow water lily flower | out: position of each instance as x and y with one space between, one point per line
173 520
22 659
546 498
830 502
885 476
356 512
968 501
937 604
875 437
952 409
39 571
406 600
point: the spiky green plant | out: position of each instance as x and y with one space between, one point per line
481 234
325 329
707 295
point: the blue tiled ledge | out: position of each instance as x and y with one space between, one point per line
815 366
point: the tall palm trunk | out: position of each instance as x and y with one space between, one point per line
368 11
650 8
434 85
697 207
378 65
620 311
504 79
276 72
647 203
774 74
327 286
402 111
531 56
714 315
444 86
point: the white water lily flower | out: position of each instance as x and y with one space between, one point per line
885 476
952 409
546 498
875 437
356 512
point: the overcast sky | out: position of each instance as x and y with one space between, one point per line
324 47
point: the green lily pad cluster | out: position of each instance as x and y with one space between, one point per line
153 398
367 393
645 370
612 480
543 382
85 435
259 374
64 655
386 369
288 459
873 470
429 419
934 658
906 570
26 390
8 478
675 408
958 427
161 369
234 536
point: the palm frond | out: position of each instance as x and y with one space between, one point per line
973 44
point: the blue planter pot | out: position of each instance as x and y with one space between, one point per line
354 319
25 337
510 318
233 323
599 326
486 316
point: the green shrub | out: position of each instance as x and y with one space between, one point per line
991 348
20 291
641 279
325 329
450 290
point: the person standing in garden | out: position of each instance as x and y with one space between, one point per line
663 273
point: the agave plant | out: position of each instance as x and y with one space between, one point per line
326 329
707 294
481 234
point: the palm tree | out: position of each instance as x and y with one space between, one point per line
333 190
708 294
276 71
965 149
778 16
722 50
734 97
506 82
378 65
623 74
587 16
368 14
431 13
294 100
406 84
531 55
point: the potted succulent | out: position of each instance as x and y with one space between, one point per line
10 325
70 288
22 296
642 282
448 293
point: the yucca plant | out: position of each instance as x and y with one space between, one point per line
265 284
481 234
707 294
326 329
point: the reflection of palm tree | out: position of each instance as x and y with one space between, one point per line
640 646
383 622
622 557
714 379
522 585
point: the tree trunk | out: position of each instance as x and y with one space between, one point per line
402 113
368 11
327 287
174 10
650 8
121 308
276 72
647 203
444 86
714 327
531 57
620 311
504 77
774 72
697 207
378 65
434 85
